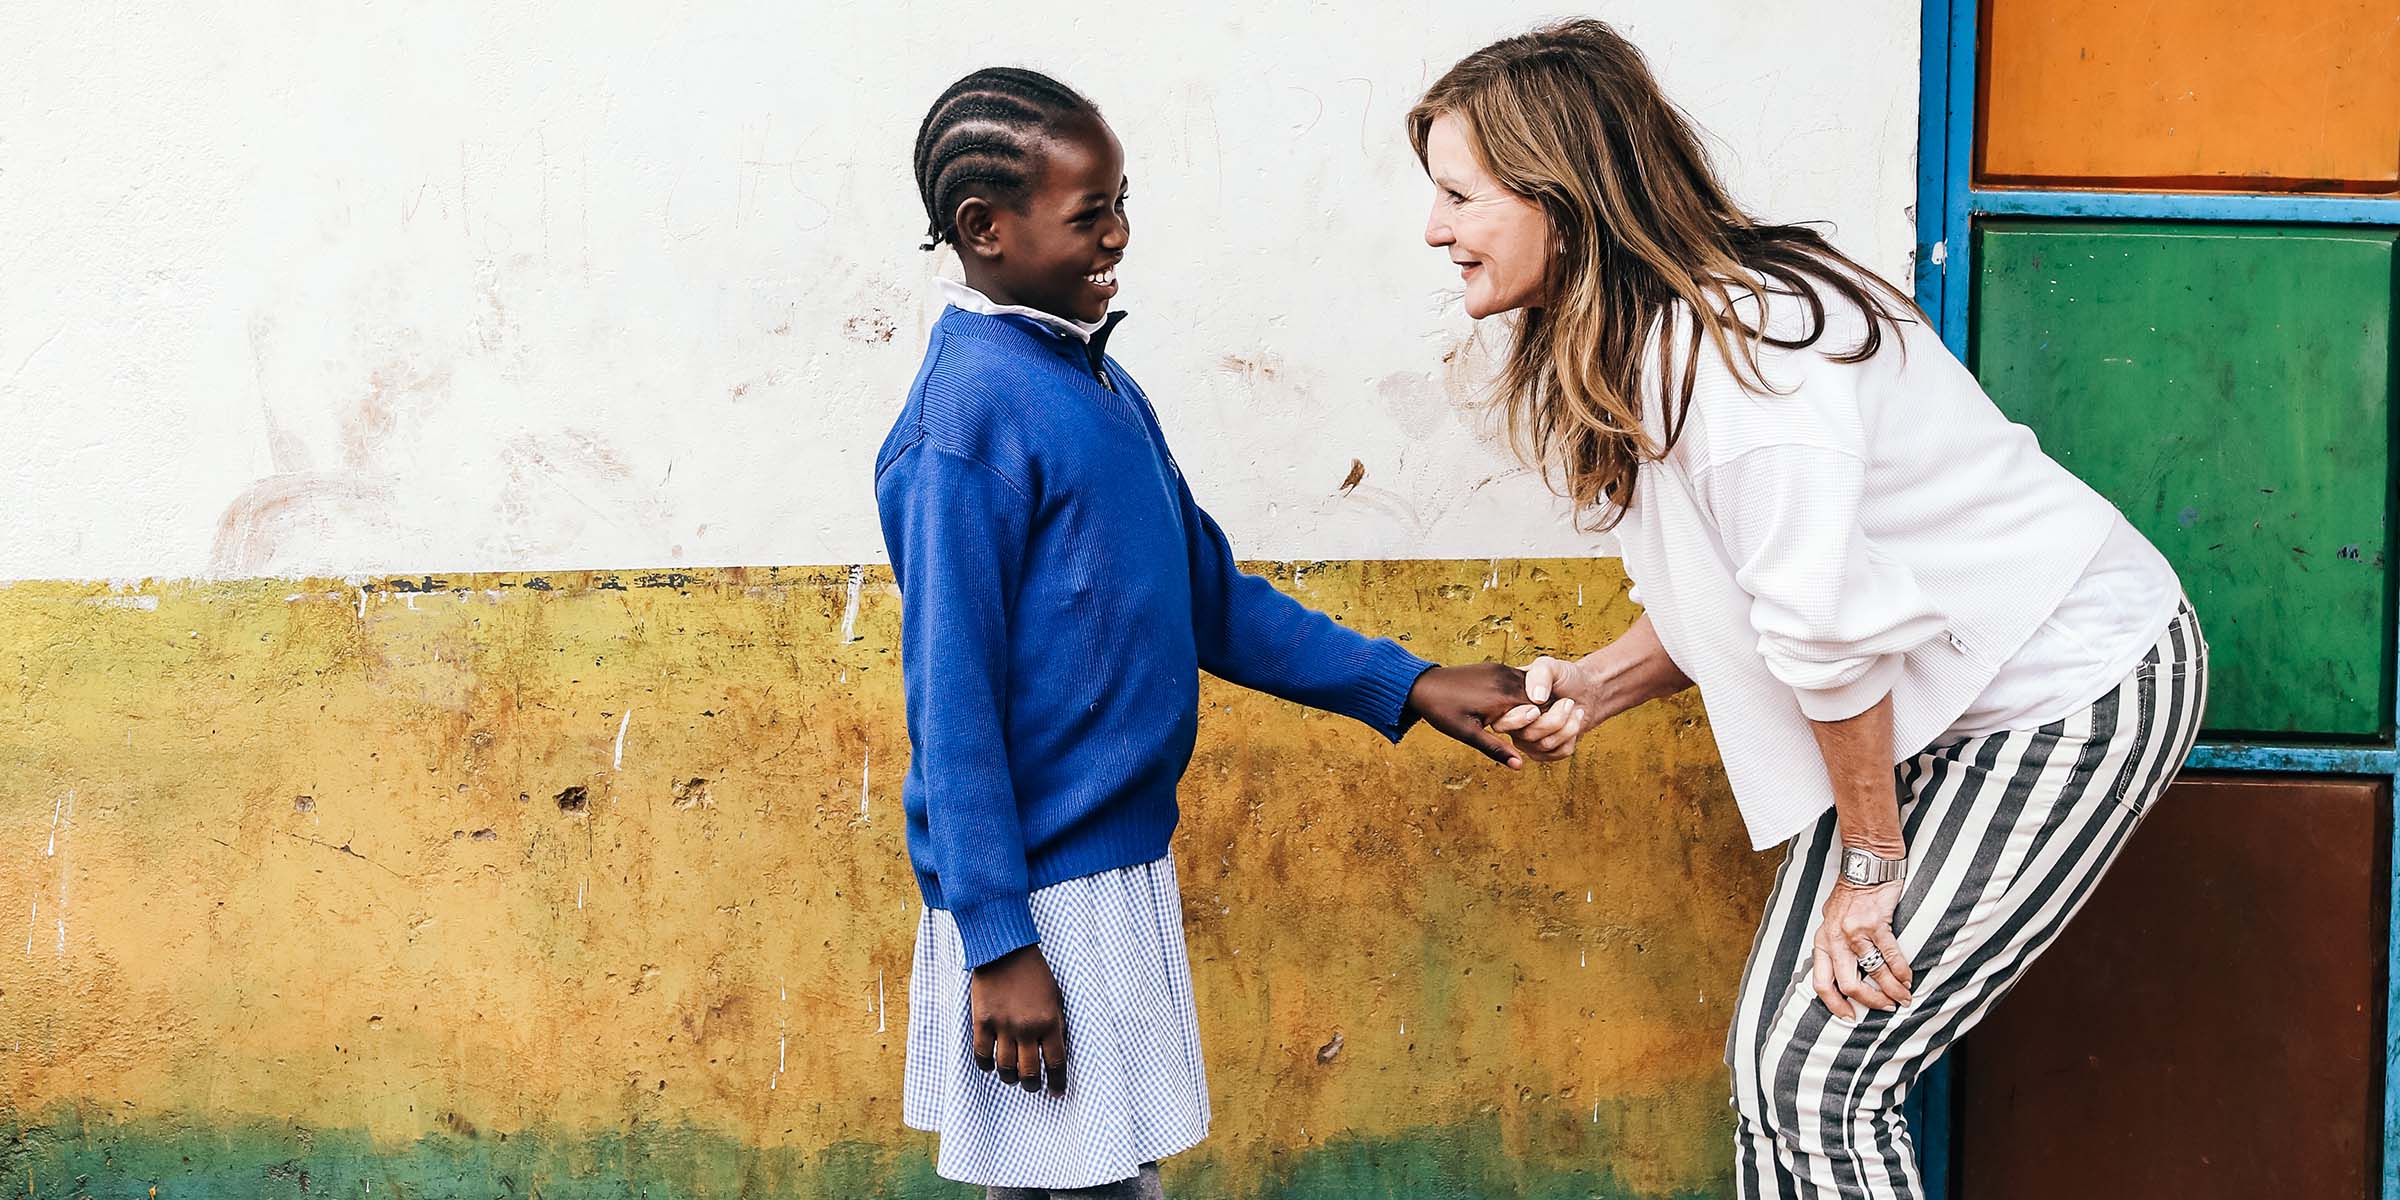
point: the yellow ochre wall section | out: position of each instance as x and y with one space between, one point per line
594 883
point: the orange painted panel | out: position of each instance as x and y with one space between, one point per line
2299 95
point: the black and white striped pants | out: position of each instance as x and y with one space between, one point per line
2007 834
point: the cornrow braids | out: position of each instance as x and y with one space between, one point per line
981 138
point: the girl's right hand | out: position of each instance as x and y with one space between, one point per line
1548 734
1020 1020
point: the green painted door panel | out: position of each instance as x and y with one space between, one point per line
2230 388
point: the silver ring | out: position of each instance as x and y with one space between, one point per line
1872 963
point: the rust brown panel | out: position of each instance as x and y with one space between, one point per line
2208 1026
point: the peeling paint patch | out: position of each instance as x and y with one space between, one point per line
873 327
858 577
1357 475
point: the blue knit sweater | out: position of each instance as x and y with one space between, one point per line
1060 594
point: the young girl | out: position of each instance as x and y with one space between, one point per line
1061 592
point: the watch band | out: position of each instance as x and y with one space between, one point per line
1866 869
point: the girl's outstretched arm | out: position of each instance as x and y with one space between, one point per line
1249 633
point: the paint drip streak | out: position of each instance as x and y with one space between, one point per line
858 578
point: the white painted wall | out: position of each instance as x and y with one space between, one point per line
331 288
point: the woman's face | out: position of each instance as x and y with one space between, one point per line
1501 241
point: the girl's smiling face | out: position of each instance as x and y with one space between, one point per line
1058 251
1501 241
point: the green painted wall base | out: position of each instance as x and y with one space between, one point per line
71 1153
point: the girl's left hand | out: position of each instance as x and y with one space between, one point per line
1464 701
1859 920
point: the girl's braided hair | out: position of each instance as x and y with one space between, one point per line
982 138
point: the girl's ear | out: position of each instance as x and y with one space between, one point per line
978 226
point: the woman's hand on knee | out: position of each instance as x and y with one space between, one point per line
1858 926
1547 729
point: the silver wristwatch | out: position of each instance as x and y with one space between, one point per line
1866 870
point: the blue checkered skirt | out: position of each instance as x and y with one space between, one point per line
1136 1091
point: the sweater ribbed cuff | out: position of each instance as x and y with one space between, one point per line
994 927
1842 702
1385 678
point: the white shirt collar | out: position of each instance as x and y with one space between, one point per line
971 300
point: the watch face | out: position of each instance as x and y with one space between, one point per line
1866 870
1859 867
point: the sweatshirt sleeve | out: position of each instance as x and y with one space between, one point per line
956 531
1833 615
1250 634
1784 488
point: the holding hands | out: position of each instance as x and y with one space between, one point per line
1542 708
1565 698
1558 709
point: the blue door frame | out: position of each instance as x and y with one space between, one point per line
1948 205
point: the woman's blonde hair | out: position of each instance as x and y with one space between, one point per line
1569 117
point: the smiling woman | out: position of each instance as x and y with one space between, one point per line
1944 674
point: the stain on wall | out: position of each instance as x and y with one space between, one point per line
593 884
